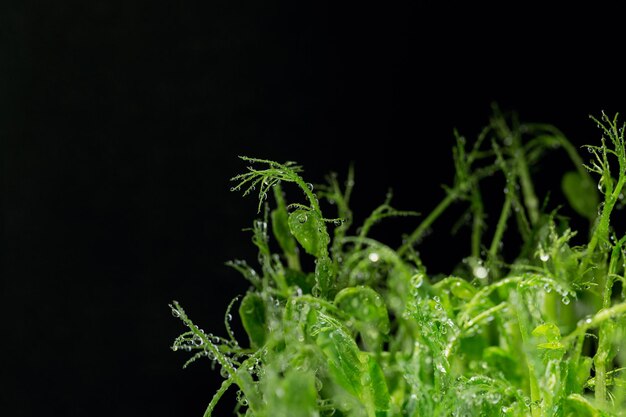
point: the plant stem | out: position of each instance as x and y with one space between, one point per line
535 394
601 316
427 222
601 234
497 236
528 190
477 224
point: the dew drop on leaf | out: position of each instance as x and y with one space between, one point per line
417 280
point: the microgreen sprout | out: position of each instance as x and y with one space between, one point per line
367 331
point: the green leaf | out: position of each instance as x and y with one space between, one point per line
310 231
324 276
551 345
579 406
280 228
367 309
502 361
462 289
578 373
340 351
302 280
549 331
581 194
374 382
294 395
253 318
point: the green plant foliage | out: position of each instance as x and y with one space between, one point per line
367 331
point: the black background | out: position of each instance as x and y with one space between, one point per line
122 122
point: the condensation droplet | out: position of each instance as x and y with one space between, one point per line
417 280
480 272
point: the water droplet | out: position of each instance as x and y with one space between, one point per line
302 218
544 257
565 300
309 186
229 317
480 272
417 280
233 189
374 257
174 348
494 397
175 313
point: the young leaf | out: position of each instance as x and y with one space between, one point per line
340 351
374 382
253 318
310 231
280 228
293 395
368 311
581 193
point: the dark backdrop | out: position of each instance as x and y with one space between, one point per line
122 122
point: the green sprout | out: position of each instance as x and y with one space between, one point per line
366 331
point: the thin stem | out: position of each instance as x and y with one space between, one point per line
601 316
427 222
535 394
601 234
477 223
528 190
500 228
